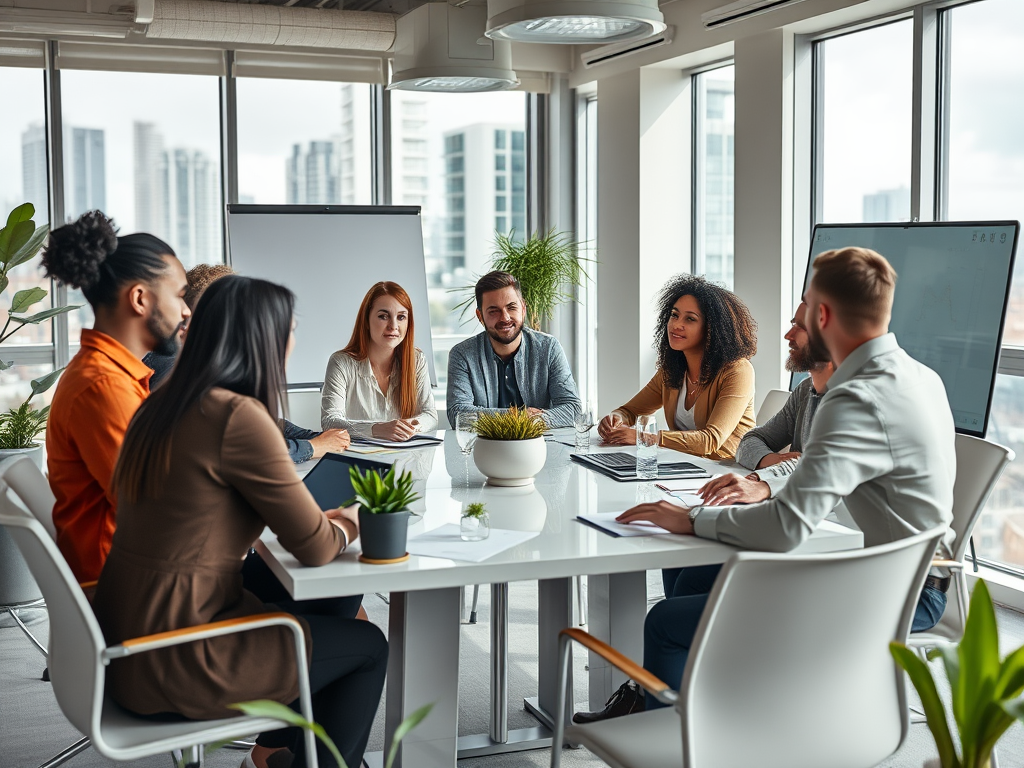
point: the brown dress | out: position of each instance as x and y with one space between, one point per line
176 561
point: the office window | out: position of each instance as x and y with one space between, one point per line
714 128
302 142
982 177
586 230
151 161
864 111
459 135
25 179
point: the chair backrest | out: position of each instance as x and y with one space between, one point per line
304 408
772 404
790 666
979 463
76 642
23 476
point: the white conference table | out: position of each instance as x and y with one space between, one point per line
426 603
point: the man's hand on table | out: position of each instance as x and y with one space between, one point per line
671 517
770 459
734 489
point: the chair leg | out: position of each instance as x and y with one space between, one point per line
190 757
992 763
580 602
245 744
476 599
62 757
17 620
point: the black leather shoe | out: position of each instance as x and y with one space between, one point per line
625 701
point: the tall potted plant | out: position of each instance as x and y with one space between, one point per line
510 448
383 513
549 269
985 690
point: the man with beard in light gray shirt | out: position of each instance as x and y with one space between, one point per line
882 440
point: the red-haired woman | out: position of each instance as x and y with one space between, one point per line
378 385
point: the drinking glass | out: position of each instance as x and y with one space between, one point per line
465 424
647 447
584 422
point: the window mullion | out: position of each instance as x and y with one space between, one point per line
924 122
55 158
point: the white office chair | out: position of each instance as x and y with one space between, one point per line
304 408
765 684
979 463
772 404
78 657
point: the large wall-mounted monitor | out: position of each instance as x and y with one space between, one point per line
951 299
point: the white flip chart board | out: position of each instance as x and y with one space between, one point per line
330 256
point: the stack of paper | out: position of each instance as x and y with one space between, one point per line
605 521
446 542
419 441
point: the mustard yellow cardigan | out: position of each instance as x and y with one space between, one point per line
723 412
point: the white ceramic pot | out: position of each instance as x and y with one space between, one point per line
35 453
510 462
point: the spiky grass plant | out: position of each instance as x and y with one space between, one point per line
382 495
20 426
476 509
548 266
513 424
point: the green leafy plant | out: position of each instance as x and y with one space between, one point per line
548 267
266 708
476 509
381 495
20 426
20 241
513 424
985 690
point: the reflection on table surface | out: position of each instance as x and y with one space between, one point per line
448 480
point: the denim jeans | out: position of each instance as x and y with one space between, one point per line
672 623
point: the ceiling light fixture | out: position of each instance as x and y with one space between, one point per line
573 21
439 47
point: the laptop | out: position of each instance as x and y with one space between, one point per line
329 480
622 466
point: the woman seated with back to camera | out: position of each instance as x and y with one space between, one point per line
378 386
202 470
705 338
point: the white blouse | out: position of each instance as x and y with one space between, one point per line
352 399
684 418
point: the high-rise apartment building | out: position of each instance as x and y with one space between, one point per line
150 199
177 196
313 174
33 170
485 192
85 171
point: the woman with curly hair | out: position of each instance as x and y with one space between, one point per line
705 337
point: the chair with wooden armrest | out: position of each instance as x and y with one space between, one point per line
78 656
789 667
979 463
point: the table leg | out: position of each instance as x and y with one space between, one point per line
423 667
554 613
618 606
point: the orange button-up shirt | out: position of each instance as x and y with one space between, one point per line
97 396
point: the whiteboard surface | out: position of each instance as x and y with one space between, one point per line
330 256
950 301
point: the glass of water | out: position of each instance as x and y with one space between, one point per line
465 425
647 447
584 422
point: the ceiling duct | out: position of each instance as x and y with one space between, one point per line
42 21
440 47
607 53
573 21
255 24
741 10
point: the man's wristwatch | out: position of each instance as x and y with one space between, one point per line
692 514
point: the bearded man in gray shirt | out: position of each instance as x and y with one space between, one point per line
882 440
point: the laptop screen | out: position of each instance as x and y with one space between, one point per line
329 480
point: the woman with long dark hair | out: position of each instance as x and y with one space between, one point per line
202 470
378 385
705 337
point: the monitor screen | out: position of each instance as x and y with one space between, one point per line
329 480
950 302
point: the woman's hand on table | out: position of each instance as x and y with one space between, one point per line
734 489
620 435
330 441
347 519
608 423
671 517
397 431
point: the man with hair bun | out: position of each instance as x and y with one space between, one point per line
136 287
882 441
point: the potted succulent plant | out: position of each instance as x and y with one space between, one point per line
985 690
510 447
383 513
